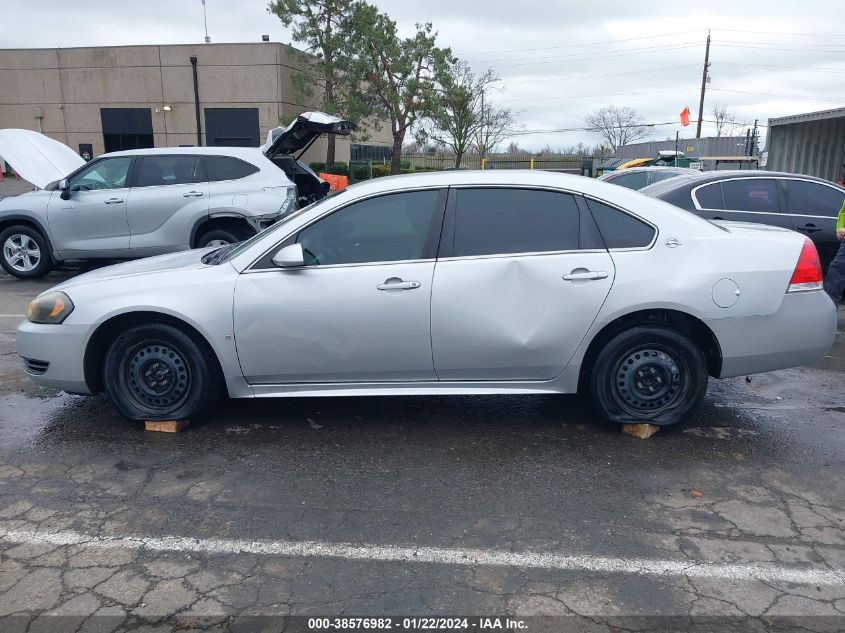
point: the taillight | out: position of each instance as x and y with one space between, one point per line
808 270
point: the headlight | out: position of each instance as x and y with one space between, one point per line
53 307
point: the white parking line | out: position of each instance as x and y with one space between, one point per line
11 316
441 556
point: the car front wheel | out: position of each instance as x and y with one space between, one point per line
158 372
648 374
25 253
222 237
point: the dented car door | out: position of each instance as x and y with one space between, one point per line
521 276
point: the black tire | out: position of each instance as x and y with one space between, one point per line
158 372
12 261
648 373
221 237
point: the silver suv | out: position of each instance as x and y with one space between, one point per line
137 203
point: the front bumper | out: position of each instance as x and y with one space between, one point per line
62 347
801 332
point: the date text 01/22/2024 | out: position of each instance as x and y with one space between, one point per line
416 624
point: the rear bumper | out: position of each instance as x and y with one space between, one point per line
801 332
62 347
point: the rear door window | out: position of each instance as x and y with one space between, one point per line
495 221
751 194
619 229
710 196
227 168
804 197
167 170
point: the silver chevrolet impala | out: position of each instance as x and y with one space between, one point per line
516 282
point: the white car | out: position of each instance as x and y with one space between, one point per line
456 282
137 203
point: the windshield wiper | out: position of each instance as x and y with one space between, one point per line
216 256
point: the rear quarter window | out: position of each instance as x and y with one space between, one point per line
619 229
710 196
227 168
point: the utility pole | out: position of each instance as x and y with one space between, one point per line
754 139
703 86
482 144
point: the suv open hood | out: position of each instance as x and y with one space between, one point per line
37 158
307 127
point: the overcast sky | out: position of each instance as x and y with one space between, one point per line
558 61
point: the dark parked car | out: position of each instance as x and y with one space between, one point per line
639 177
802 203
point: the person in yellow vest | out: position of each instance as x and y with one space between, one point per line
834 280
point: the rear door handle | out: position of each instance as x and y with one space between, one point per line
809 228
114 201
192 194
399 285
586 275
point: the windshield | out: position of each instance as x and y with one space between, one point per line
230 251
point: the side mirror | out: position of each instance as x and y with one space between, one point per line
64 187
290 257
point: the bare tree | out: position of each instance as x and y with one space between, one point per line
617 126
456 109
495 125
725 121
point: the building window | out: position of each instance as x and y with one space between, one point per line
127 128
232 127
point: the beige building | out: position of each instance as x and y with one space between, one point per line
125 97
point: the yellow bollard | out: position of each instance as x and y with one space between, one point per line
532 164
483 163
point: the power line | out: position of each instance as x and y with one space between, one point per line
657 47
583 77
837 35
774 48
545 48
812 70
621 53
615 94
784 96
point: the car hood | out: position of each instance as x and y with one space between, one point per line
302 132
182 260
37 158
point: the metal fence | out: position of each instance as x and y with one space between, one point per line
558 162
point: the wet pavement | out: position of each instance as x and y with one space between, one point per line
522 506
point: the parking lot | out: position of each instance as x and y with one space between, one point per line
522 506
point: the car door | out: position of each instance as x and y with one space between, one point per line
520 278
755 200
814 209
92 223
169 195
358 310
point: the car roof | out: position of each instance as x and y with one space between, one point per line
696 178
241 152
630 170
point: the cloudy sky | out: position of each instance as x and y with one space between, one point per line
558 61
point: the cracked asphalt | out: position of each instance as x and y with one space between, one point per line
753 481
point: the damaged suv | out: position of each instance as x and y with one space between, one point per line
136 203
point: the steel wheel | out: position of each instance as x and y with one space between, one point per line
156 376
21 252
649 380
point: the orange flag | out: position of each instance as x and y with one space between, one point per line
685 117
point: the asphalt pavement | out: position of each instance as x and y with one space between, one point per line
518 506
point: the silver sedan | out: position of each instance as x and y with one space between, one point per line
445 283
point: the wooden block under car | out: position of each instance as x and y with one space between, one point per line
165 426
642 431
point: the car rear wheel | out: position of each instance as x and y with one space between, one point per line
648 374
158 372
221 237
24 252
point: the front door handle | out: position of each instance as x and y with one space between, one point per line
809 228
398 284
114 201
585 275
192 194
